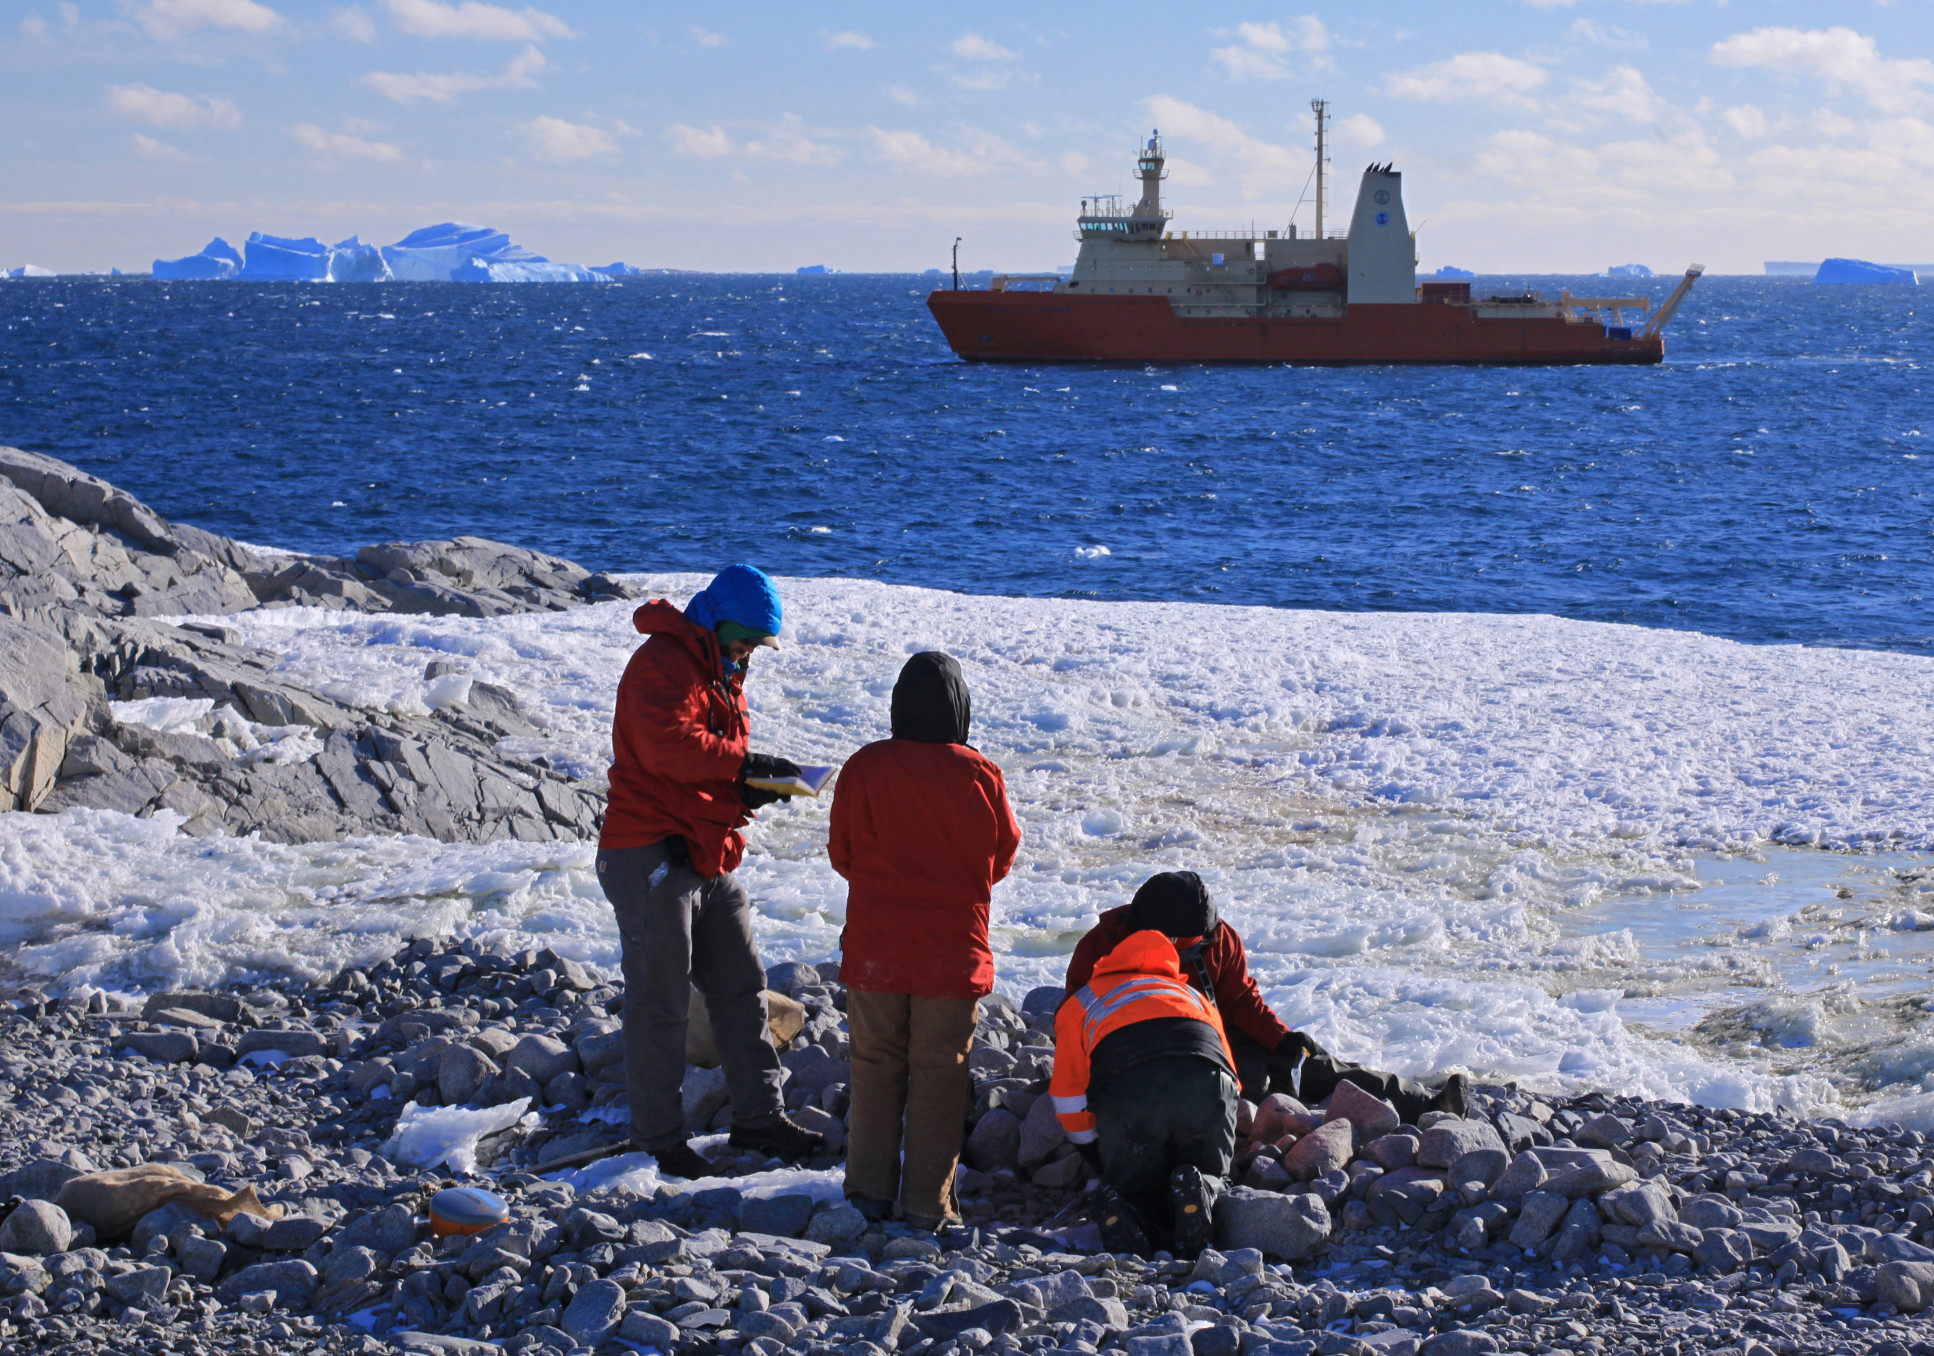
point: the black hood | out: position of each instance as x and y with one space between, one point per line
1175 903
930 701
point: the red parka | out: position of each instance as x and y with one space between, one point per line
921 831
678 740
1228 964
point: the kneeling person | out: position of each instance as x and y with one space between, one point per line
1144 1081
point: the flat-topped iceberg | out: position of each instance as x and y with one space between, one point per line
27 271
1860 271
448 252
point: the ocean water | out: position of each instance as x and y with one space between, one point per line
1767 483
1547 823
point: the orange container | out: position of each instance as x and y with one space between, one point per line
466 1210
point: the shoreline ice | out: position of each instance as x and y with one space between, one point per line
1400 812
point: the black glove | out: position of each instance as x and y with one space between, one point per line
1300 1043
765 765
1091 1155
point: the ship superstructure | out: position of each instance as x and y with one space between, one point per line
1141 292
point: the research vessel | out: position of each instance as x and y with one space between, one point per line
1143 293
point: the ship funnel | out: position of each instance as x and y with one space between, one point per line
1383 257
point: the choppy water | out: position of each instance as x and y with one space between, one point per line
1767 483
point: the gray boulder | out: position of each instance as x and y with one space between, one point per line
1525 1175
595 1312
44 702
164 1047
1449 1140
389 1230
1540 1215
1322 1150
293 1281
1288 1228
542 1058
1908 1286
838 1227
703 1093
461 1072
1372 1116
1723 1250
36 1228
995 1141
1042 1138
143 1287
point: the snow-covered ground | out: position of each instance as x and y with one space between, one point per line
1447 839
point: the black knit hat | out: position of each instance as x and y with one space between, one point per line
1174 903
930 701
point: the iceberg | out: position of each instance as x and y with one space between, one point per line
451 251
274 258
1451 271
218 259
352 261
1860 271
27 271
1629 271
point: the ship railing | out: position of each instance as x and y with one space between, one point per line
1582 309
1024 282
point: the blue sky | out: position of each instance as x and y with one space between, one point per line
1533 134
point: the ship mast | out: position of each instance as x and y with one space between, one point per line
1318 107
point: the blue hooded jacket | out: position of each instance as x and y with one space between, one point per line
740 593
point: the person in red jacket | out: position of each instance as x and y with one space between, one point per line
1178 905
921 830
1144 1084
666 854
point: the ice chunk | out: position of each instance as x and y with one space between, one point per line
273 258
524 270
427 1137
618 270
27 271
1629 271
435 253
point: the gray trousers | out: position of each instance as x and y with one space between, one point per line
678 930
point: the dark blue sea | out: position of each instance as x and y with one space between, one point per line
1770 482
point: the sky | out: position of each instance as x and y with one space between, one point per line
1533 135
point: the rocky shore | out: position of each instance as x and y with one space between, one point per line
87 570
1598 1225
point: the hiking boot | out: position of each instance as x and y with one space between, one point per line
781 1139
1453 1097
931 1224
682 1160
876 1212
1192 1198
1120 1230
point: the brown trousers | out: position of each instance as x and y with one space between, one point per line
910 1094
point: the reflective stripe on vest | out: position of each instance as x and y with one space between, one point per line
1100 1008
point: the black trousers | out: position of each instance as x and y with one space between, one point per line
1157 1117
1263 1072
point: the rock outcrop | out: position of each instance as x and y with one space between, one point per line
86 573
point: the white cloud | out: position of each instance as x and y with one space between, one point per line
164 108
1622 94
1488 76
1838 55
1259 49
900 94
705 37
973 47
333 144
791 141
170 19
1359 130
703 142
33 26
70 14
561 141
475 21
1607 35
151 149
1073 163
443 88
980 153
1263 167
353 24
1748 120
851 40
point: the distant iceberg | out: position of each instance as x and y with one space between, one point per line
1629 271
27 271
1449 271
1860 271
815 271
448 252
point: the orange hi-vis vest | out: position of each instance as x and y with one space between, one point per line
1139 981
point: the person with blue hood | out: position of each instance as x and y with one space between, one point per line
666 855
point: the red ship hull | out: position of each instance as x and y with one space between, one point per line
1056 327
